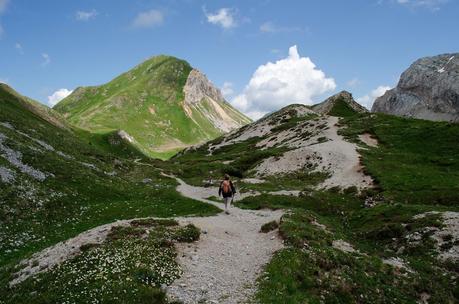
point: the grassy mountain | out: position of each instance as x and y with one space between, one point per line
163 104
54 185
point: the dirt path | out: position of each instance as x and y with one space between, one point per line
343 160
223 265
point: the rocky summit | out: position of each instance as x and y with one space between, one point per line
163 105
339 102
428 89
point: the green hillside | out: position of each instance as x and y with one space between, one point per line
57 181
54 185
148 103
416 170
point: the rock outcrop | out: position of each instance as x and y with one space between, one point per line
203 99
164 104
326 106
198 87
428 89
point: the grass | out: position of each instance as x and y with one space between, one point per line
269 226
342 109
129 267
415 169
196 165
415 172
415 161
86 186
147 103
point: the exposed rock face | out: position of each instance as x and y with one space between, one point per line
202 97
428 89
198 87
326 106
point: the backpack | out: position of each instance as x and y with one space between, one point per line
226 187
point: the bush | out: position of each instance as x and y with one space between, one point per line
188 234
270 226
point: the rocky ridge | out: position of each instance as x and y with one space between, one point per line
428 89
326 106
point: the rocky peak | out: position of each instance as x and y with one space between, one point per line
326 106
428 89
198 87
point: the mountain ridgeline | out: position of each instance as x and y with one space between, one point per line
161 106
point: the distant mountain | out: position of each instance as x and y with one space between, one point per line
339 105
428 89
163 104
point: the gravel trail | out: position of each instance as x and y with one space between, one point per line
222 267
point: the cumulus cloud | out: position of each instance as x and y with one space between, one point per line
58 96
86 15
46 59
148 19
224 17
227 89
293 79
270 27
368 100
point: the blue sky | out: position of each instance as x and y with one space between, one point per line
357 45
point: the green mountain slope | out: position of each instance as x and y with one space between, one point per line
163 103
54 185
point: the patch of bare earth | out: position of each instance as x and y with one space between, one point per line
326 151
369 140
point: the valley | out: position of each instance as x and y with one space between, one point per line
112 197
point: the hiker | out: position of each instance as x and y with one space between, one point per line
227 190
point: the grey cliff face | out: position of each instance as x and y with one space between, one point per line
428 89
198 87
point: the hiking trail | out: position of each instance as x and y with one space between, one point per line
222 267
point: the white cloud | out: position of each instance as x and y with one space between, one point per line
269 27
368 100
227 89
58 96
148 19
46 59
290 80
3 5
3 80
353 82
18 47
86 15
429 4
224 17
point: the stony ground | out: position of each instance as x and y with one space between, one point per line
223 266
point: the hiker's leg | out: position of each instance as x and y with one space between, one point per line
225 201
